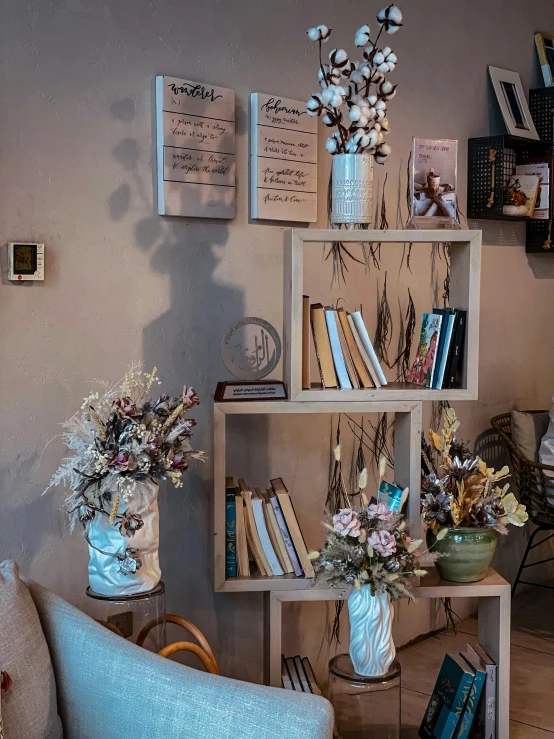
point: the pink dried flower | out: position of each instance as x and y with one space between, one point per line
190 398
380 511
383 542
346 523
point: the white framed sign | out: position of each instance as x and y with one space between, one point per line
283 159
195 130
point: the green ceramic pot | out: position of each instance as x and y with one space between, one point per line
467 553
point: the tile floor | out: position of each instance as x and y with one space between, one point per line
532 668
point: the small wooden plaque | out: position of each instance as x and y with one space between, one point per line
255 390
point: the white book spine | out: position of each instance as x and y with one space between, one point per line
368 346
257 507
445 352
298 571
336 349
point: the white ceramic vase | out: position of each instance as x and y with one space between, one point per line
113 576
352 189
372 649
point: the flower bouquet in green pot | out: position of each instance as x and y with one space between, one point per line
463 506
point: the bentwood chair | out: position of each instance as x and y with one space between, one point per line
535 483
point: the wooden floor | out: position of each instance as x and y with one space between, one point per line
532 668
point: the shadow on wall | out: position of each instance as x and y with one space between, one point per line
184 343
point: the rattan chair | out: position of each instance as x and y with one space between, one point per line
535 483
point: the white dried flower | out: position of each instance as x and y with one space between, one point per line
355 113
380 105
387 87
319 33
372 99
390 18
362 121
351 146
382 152
338 57
384 68
378 57
362 36
326 118
368 49
331 145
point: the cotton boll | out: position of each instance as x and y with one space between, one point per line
368 49
372 99
380 137
336 101
327 95
391 57
381 114
372 136
362 122
384 150
366 71
392 66
357 77
377 78
364 141
331 146
324 33
328 120
387 87
390 18
358 136
376 127
386 51
378 57
365 110
313 34
355 113
380 105
385 125
371 114
338 57
384 68
351 146
362 36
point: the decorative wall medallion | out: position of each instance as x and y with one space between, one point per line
251 348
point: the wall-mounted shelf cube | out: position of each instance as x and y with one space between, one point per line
465 269
491 162
541 105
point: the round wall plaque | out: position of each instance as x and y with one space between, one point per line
251 348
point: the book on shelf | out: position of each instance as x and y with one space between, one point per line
547 179
275 535
291 521
364 379
243 562
336 350
267 545
305 342
368 346
423 368
484 724
365 356
274 500
297 674
351 369
445 341
448 699
230 529
323 346
529 186
454 360
468 714
541 170
252 536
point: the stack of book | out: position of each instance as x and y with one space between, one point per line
438 361
263 525
345 354
297 674
463 703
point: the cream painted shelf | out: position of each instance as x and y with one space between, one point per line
465 271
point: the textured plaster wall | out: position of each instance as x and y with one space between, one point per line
76 171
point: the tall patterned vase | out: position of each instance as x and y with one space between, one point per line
119 565
352 189
372 649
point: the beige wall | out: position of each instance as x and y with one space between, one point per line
77 173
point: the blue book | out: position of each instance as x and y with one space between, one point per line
230 529
444 350
473 698
448 699
336 349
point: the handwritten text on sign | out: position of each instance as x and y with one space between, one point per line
283 159
196 149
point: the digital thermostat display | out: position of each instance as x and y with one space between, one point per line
25 261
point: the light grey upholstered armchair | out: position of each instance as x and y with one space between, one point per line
108 688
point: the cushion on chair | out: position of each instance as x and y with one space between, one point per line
527 432
29 708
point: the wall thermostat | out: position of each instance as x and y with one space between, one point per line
25 261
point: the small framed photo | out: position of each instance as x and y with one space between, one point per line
545 50
511 98
433 184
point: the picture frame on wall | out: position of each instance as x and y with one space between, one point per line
545 50
513 103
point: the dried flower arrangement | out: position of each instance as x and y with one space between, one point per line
465 492
120 438
361 86
369 547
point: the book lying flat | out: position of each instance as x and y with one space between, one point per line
292 524
243 563
323 346
263 533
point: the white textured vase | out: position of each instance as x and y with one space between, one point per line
372 649
105 573
352 189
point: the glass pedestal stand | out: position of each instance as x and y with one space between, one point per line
365 707
128 615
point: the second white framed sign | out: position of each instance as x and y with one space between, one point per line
283 159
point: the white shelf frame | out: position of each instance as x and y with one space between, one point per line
407 472
465 276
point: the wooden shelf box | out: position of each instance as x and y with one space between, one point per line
465 269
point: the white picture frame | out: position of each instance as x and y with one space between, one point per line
513 103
